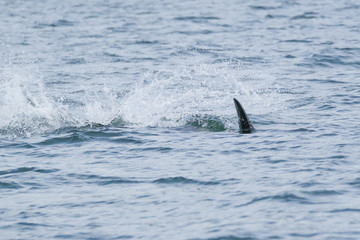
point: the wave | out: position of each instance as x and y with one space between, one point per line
345 210
58 23
105 180
9 185
183 180
101 180
231 237
26 169
285 197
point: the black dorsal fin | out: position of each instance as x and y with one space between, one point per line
244 123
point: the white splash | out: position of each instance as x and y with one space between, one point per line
25 108
169 98
162 98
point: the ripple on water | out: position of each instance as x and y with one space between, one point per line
27 169
20 172
344 210
305 16
285 197
196 19
230 237
9 185
183 180
355 183
101 180
106 180
58 23
322 192
67 139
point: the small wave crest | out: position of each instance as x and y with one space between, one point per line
183 180
107 180
7 174
9 185
231 237
26 169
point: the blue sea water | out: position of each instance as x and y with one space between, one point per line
117 119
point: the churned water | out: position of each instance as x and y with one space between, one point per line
117 119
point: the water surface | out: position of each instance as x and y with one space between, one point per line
117 120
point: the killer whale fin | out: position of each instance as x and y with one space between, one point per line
244 123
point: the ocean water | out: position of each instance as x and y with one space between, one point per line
117 119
